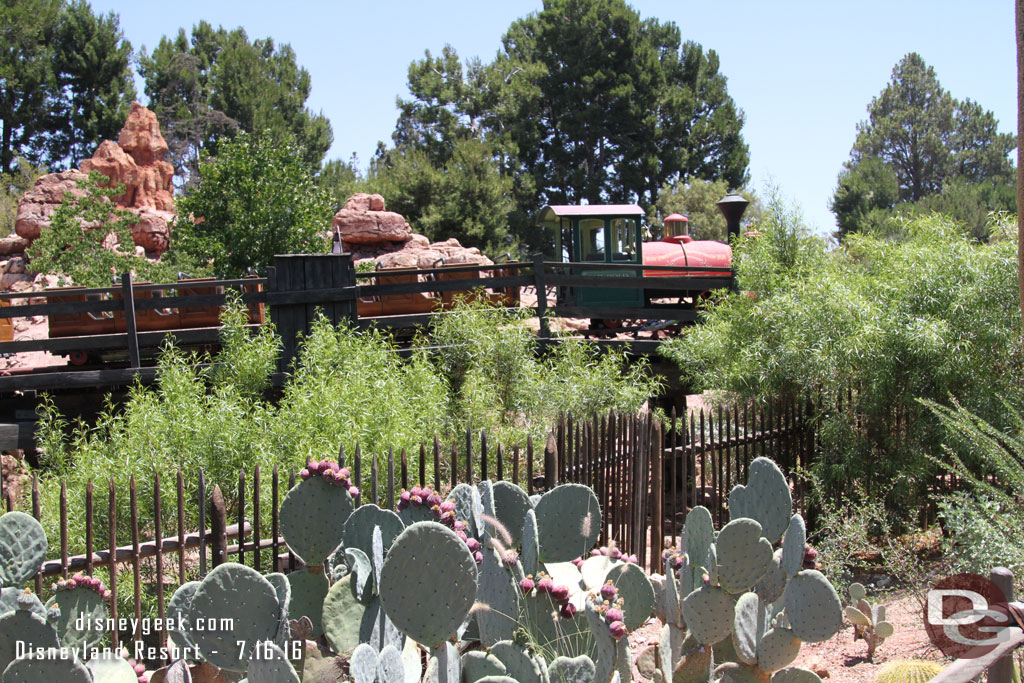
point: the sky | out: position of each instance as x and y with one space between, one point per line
803 73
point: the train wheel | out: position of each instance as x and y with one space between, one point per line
78 357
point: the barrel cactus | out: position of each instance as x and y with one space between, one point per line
908 671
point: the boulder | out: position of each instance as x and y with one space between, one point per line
359 226
153 231
113 162
38 204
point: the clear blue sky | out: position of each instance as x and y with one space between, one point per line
802 72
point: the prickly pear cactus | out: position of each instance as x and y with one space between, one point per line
573 669
240 594
268 664
107 667
795 675
308 591
390 668
520 665
310 537
793 546
632 584
813 607
708 613
477 664
83 611
868 619
743 556
178 673
22 548
510 506
428 583
50 665
568 522
359 529
177 614
24 628
530 557
9 602
766 498
349 621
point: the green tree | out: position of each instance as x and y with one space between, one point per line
92 64
255 199
466 197
697 199
27 86
73 247
12 186
341 179
65 81
585 101
932 143
206 86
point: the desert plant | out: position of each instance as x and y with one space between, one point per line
868 619
908 671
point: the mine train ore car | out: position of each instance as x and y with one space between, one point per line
146 320
612 234
427 302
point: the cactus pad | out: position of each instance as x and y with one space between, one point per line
344 616
795 675
744 557
467 506
177 614
858 592
107 667
390 668
530 557
358 531
361 571
569 522
22 626
572 669
766 498
747 625
694 666
698 534
708 613
9 602
308 592
269 665
445 665
520 665
240 594
51 665
812 607
309 537
22 548
637 592
793 545
428 583
496 590
595 570
510 506
773 583
740 673
777 649
75 604
363 664
476 664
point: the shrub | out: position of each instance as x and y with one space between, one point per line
864 331
255 199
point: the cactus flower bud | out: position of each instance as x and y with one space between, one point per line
107 595
613 614
560 594
617 629
433 499
595 552
568 611
511 557
416 491
478 557
545 585
353 491
447 506
527 584
473 544
608 591
578 562
139 669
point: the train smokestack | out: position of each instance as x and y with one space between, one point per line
732 207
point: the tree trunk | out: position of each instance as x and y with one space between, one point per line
1019 7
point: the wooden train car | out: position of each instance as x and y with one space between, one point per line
430 301
63 325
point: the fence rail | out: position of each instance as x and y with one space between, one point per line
645 475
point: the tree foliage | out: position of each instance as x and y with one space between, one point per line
697 200
65 81
89 241
585 101
929 143
206 86
256 198
930 315
13 185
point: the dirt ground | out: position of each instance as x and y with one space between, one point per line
841 659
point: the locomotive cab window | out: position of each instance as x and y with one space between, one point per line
592 239
624 239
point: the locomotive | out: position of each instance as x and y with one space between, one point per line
613 234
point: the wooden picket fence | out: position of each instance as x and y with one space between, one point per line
646 475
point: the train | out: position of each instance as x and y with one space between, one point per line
578 234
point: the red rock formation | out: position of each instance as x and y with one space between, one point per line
372 233
136 161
